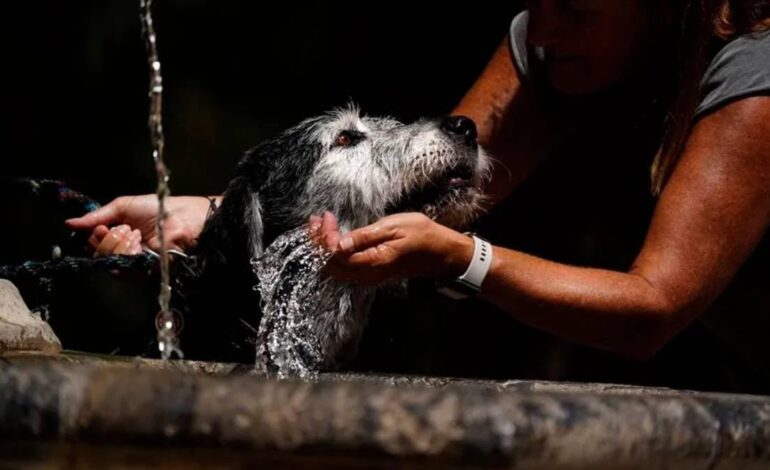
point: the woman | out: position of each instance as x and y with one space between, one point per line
580 101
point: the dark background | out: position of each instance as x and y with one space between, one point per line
235 73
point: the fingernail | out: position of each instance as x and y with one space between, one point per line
346 243
124 229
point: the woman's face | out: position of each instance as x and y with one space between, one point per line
590 44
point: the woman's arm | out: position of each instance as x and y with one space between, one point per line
184 222
711 215
510 126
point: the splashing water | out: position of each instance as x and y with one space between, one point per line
308 320
168 343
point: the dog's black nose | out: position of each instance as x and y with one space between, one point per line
460 126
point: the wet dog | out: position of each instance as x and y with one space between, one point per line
360 168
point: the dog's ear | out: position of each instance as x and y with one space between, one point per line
244 190
236 230
254 225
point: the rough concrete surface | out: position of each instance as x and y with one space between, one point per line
20 329
128 415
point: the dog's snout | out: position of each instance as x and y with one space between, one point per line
460 126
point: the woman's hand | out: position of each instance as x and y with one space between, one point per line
395 247
186 216
120 240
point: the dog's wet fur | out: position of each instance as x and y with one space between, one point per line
360 168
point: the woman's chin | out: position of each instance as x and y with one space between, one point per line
574 79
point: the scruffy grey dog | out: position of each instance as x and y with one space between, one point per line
359 168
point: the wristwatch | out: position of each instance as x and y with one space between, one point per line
469 283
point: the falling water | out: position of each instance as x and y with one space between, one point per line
168 343
308 319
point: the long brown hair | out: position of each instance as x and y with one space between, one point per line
704 25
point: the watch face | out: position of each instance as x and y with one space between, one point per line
458 289
465 287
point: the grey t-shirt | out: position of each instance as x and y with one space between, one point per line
740 69
740 318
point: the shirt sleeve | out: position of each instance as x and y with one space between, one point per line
518 41
741 69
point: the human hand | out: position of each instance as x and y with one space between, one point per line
120 240
395 247
183 224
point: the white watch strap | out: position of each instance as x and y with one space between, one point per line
482 259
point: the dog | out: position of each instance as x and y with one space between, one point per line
358 167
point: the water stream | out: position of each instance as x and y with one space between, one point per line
168 343
309 321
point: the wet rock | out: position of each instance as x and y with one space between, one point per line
21 329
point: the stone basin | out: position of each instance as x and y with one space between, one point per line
77 410
84 411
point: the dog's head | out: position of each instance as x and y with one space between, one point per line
360 168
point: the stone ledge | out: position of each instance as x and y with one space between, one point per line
163 417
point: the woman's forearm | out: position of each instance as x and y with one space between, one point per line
615 311
510 124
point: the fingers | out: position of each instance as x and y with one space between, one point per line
130 244
97 236
120 240
324 231
386 229
364 256
105 215
330 231
373 256
361 256
136 245
365 239
111 240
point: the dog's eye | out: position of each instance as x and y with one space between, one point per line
348 138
